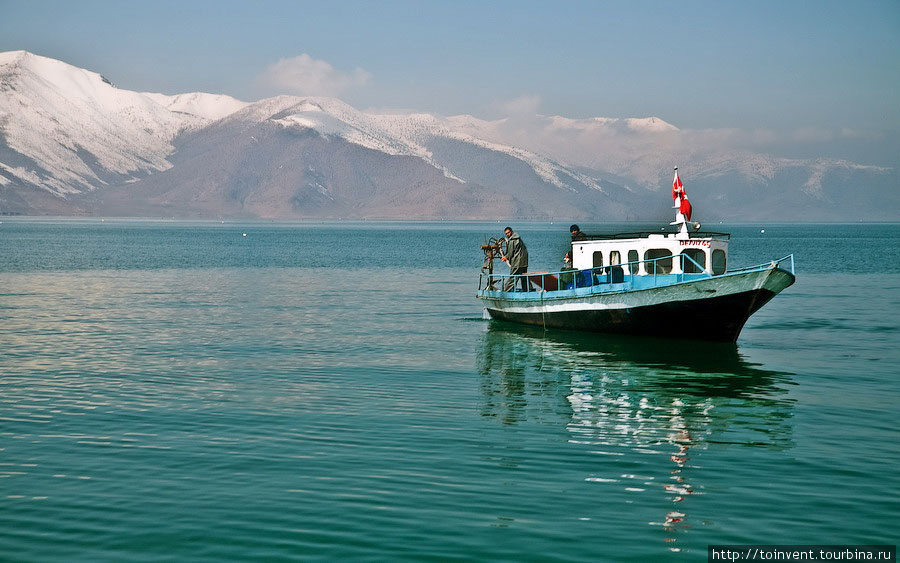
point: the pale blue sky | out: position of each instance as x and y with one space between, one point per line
788 65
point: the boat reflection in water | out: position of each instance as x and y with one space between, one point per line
648 407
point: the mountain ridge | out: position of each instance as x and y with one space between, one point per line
73 143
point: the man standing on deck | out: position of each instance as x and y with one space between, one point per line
517 259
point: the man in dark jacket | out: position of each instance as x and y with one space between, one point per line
577 235
517 259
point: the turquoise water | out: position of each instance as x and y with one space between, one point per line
330 392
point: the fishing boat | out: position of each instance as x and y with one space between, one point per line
675 284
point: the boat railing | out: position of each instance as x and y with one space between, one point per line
657 271
788 260
601 278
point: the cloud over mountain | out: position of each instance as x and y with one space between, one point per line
305 76
522 105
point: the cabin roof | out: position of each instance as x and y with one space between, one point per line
647 234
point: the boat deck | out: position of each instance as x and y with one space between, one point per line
582 283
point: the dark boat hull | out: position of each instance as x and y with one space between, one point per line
714 309
717 319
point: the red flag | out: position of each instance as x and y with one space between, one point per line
685 208
678 191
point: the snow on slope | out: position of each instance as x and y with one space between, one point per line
330 116
546 169
394 134
209 107
73 128
420 128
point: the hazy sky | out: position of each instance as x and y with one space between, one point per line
813 68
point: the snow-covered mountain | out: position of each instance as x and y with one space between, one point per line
72 142
289 157
68 130
207 107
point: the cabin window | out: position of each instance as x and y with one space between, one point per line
718 262
598 259
633 257
698 256
616 271
662 263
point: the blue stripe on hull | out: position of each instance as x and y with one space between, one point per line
714 318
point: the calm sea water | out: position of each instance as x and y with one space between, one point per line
175 391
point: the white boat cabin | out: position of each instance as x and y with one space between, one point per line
653 253
656 253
